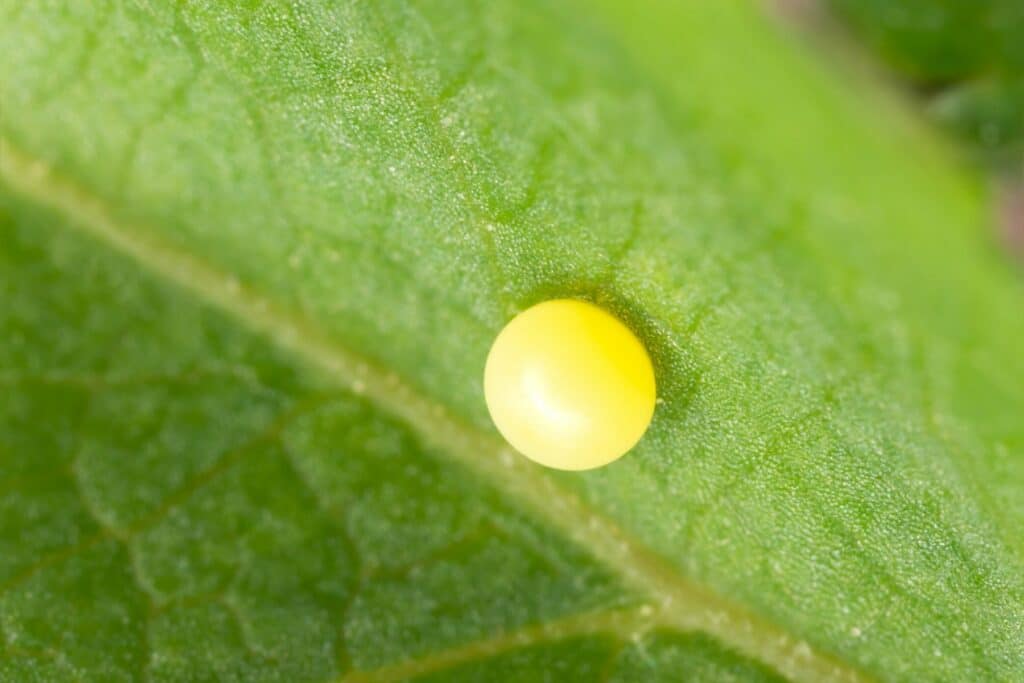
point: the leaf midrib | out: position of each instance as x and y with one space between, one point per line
680 602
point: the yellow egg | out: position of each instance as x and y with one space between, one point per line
569 385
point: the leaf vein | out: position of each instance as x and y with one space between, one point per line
623 625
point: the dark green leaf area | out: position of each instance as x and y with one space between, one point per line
193 508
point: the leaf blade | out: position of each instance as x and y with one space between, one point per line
629 246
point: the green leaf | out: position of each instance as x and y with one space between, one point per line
934 41
252 256
990 116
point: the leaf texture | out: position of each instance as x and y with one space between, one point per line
253 256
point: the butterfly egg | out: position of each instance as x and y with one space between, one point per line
569 385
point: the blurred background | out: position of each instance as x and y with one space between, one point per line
961 62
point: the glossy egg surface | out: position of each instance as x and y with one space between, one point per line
569 385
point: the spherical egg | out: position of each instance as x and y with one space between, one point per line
569 385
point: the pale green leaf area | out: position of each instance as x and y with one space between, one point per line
253 254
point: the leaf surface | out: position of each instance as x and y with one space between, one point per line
253 256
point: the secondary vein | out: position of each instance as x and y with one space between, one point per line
628 624
682 604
